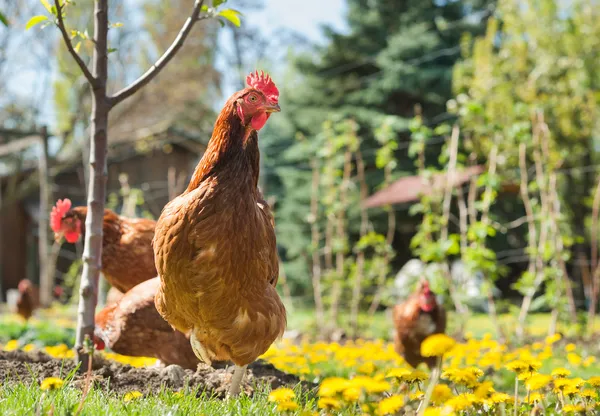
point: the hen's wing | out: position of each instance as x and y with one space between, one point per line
216 254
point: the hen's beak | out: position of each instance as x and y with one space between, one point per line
273 108
58 237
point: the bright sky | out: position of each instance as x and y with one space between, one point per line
304 16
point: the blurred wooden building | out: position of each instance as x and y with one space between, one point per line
158 160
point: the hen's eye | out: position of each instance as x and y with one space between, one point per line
253 98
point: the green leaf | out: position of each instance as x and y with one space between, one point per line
34 21
217 3
46 5
3 19
77 47
232 15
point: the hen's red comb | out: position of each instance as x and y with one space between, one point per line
264 83
58 211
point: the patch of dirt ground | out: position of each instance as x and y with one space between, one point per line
119 378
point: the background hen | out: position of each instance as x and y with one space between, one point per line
417 318
132 326
28 300
215 244
127 255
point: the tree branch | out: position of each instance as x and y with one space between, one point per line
69 44
163 60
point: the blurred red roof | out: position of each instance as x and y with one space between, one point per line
410 188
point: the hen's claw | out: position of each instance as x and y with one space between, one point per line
199 350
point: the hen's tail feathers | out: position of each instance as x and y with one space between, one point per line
199 349
236 381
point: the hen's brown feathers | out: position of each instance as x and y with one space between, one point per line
127 255
216 252
413 325
28 299
132 326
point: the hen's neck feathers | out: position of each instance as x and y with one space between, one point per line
111 223
232 151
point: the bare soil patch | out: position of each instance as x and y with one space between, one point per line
28 367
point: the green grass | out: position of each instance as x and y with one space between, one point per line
20 399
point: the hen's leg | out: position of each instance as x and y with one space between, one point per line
199 349
236 381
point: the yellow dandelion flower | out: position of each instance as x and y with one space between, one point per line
566 386
484 390
286 406
570 347
437 345
417 395
462 401
560 372
589 361
390 405
329 403
501 398
589 394
131 396
370 385
534 398
524 366
574 359
553 338
417 376
538 381
463 376
367 368
11 345
536 346
398 373
441 393
51 383
333 385
28 348
352 394
433 411
282 394
574 408
594 381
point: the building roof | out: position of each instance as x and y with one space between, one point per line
410 188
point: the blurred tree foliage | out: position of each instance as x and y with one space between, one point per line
168 97
395 55
537 56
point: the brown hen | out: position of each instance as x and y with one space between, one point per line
132 326
28 300
416 319
127 255
215 244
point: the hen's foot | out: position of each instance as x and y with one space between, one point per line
236 381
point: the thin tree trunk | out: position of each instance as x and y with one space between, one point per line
485 220
560 248
594 284
449 185
531 239
92 251
315 241
46 278
389 239
360 258
340 256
